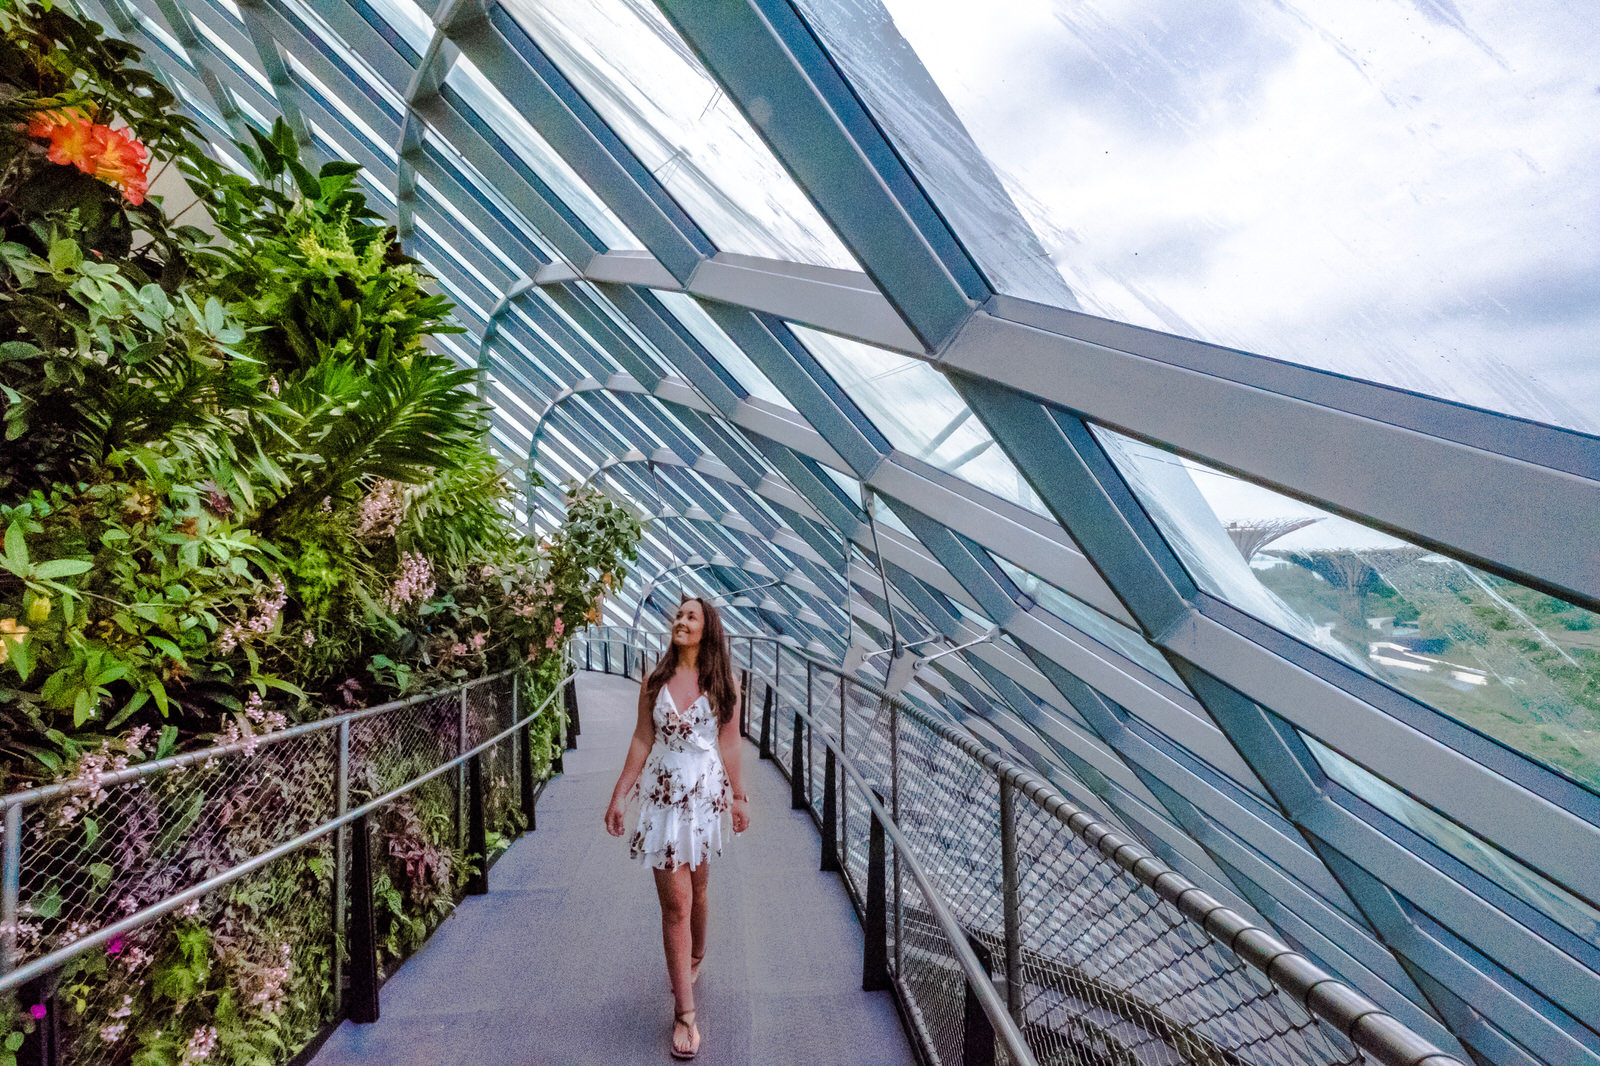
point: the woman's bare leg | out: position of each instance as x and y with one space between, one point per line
676 894
699 878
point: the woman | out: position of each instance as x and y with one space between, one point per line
686 750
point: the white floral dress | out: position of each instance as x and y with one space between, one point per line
683 790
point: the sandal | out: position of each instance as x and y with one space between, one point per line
685 1018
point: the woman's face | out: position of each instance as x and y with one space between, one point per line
688 623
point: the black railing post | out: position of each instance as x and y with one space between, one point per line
797 768
1010 905
570 699
766 725
42 1047
875 954
830 813
744 703
606 652
530 805
361 1002
588 653
477 829
977 1042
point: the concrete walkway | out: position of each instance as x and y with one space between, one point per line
561 962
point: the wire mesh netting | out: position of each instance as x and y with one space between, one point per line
1109 973
116 841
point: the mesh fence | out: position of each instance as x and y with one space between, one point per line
265 945
1110 974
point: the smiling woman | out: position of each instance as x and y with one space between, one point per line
683 762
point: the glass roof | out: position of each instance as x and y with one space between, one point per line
646 83
1394 192
915 407
1514 663
1402 192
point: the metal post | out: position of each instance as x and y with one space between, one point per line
341 856
1008 890
461 775
894 812
362 1002
588 652
477 829
570 697
977 1043
844 803
766 725
606 651
830 813
811 754
797 768
10 888
525 746
42 1047
744 703
875 953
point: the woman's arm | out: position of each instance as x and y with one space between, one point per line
644 737
729 745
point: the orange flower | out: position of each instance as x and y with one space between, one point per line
114 156
124 163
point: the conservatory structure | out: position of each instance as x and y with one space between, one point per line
1192 407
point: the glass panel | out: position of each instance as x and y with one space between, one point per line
331 100
1474 851
1401 192
1516 664
632 66
850 486
506 122
1081 616
245 66
408 19
687 310
916 408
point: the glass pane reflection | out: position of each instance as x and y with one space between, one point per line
1401 192
632 66
1080 615
1513 663
495 110
917 409
1474 851
687 310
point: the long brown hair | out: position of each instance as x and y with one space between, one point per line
714 665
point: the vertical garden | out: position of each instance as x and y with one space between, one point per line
238 493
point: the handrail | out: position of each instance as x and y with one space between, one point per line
60 789
977 978
1364 1022
44 964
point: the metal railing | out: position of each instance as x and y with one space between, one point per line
102 868
1106 956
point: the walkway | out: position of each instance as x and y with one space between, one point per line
561 962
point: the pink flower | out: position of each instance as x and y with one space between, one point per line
115 947
38 1010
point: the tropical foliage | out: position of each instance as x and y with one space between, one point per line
238 489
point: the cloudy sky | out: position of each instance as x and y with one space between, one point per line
1402 190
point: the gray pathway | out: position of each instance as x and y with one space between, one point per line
561 962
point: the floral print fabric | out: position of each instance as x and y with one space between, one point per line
683 790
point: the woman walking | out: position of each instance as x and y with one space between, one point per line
684 758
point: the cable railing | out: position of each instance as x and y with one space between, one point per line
102 875
1100 953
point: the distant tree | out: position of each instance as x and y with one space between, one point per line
1250 537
